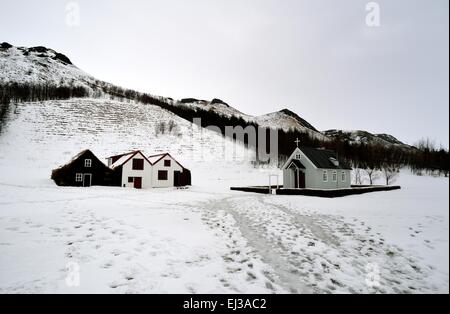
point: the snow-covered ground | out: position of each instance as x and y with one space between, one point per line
206 239
210 240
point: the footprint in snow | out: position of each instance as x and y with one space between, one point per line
107 265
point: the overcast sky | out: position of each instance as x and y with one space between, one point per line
315 57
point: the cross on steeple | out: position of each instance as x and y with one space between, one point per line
297 141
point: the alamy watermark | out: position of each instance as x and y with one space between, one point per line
373 16
244 143
373 276
73 274
73 17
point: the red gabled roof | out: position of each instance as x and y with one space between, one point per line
158 157
162 157
118 156
131 155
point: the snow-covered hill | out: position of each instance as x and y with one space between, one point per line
43 135
288 120
59 129
215 105
40 66
364 137
284 119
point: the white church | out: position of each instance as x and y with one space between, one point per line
312 168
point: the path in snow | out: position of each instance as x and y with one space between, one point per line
315 253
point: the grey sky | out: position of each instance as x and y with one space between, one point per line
316 57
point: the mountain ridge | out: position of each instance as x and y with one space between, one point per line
40 65
365 137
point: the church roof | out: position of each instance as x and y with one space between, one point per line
297 163
322 158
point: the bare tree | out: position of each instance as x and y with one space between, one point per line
162 127
372 174
172 126
390 173
357 175
426 144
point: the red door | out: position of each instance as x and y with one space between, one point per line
138 183
302 176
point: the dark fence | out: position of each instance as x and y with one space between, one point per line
256 189
355 190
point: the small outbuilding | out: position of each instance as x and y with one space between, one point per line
84 170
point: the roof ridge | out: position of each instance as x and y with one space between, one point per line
321 158
121 155
158 155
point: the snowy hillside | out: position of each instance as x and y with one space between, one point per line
364 137
284 119
215 105
287 120
58 130
40 65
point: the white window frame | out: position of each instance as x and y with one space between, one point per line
298 156
343 176
79 177
335 176
88 163
325 176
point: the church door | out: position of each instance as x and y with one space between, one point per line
302 179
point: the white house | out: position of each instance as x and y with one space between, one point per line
168 172
135 170
313 168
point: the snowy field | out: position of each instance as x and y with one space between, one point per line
211 240
206 239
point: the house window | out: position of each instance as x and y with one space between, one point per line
138 164
130 179
298 156
79 177
344 177
88 163
167 163
335 176
163 175
325 176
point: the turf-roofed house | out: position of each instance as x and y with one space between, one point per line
84 170
130 170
